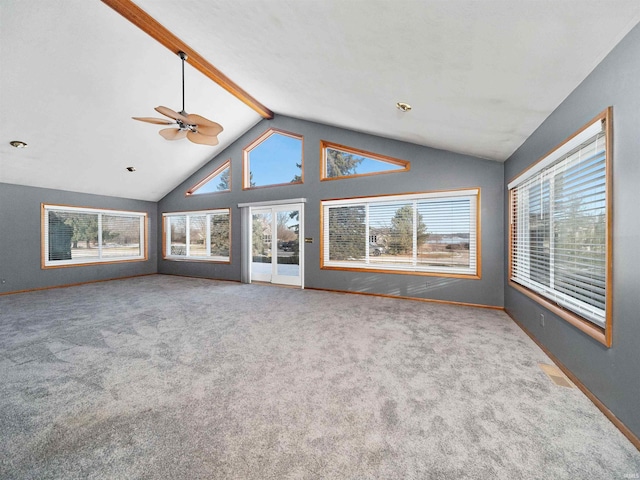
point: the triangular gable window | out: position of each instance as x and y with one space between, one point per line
217 181
339 161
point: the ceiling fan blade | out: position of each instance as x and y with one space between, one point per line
209 131
173 133
199 120
171 114
158 121
202 139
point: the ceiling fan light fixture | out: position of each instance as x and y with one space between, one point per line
17 144
403 107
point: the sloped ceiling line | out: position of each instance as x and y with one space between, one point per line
157 31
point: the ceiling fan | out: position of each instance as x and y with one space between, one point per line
195 127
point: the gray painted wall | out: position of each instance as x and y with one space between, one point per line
611 374
430 170
20 238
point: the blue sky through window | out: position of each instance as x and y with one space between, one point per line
275 160
215 184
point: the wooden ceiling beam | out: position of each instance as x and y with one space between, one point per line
154 29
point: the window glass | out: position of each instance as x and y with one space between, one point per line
346 231
340 161
392 223
273 159
178 232
198 235
219 235
559 228
120 236
445 233
218 181
75 236
422 233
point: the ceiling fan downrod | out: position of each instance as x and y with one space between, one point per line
183 56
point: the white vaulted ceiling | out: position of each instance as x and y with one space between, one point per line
480 75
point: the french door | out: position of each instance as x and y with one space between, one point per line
276 250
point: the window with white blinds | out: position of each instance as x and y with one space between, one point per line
558 244
204 235
78 236
427 233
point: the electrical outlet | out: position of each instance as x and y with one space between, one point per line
542 320
3 281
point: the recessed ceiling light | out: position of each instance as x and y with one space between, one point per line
131 169
405 107
18 144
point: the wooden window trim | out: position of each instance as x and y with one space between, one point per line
247 150
602 335
170 258
324 144
192 191
476 276
43 250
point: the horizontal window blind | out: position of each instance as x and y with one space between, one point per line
346 237
204 235
121 236
458 217
558 236
431 232
74 235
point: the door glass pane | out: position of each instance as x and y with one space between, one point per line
288 229
261 243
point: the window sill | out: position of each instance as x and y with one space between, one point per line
195 259
585 326
90 263
466 276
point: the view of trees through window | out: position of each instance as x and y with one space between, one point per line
287 233
341 164
204 236
416 233
345 162
87 235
